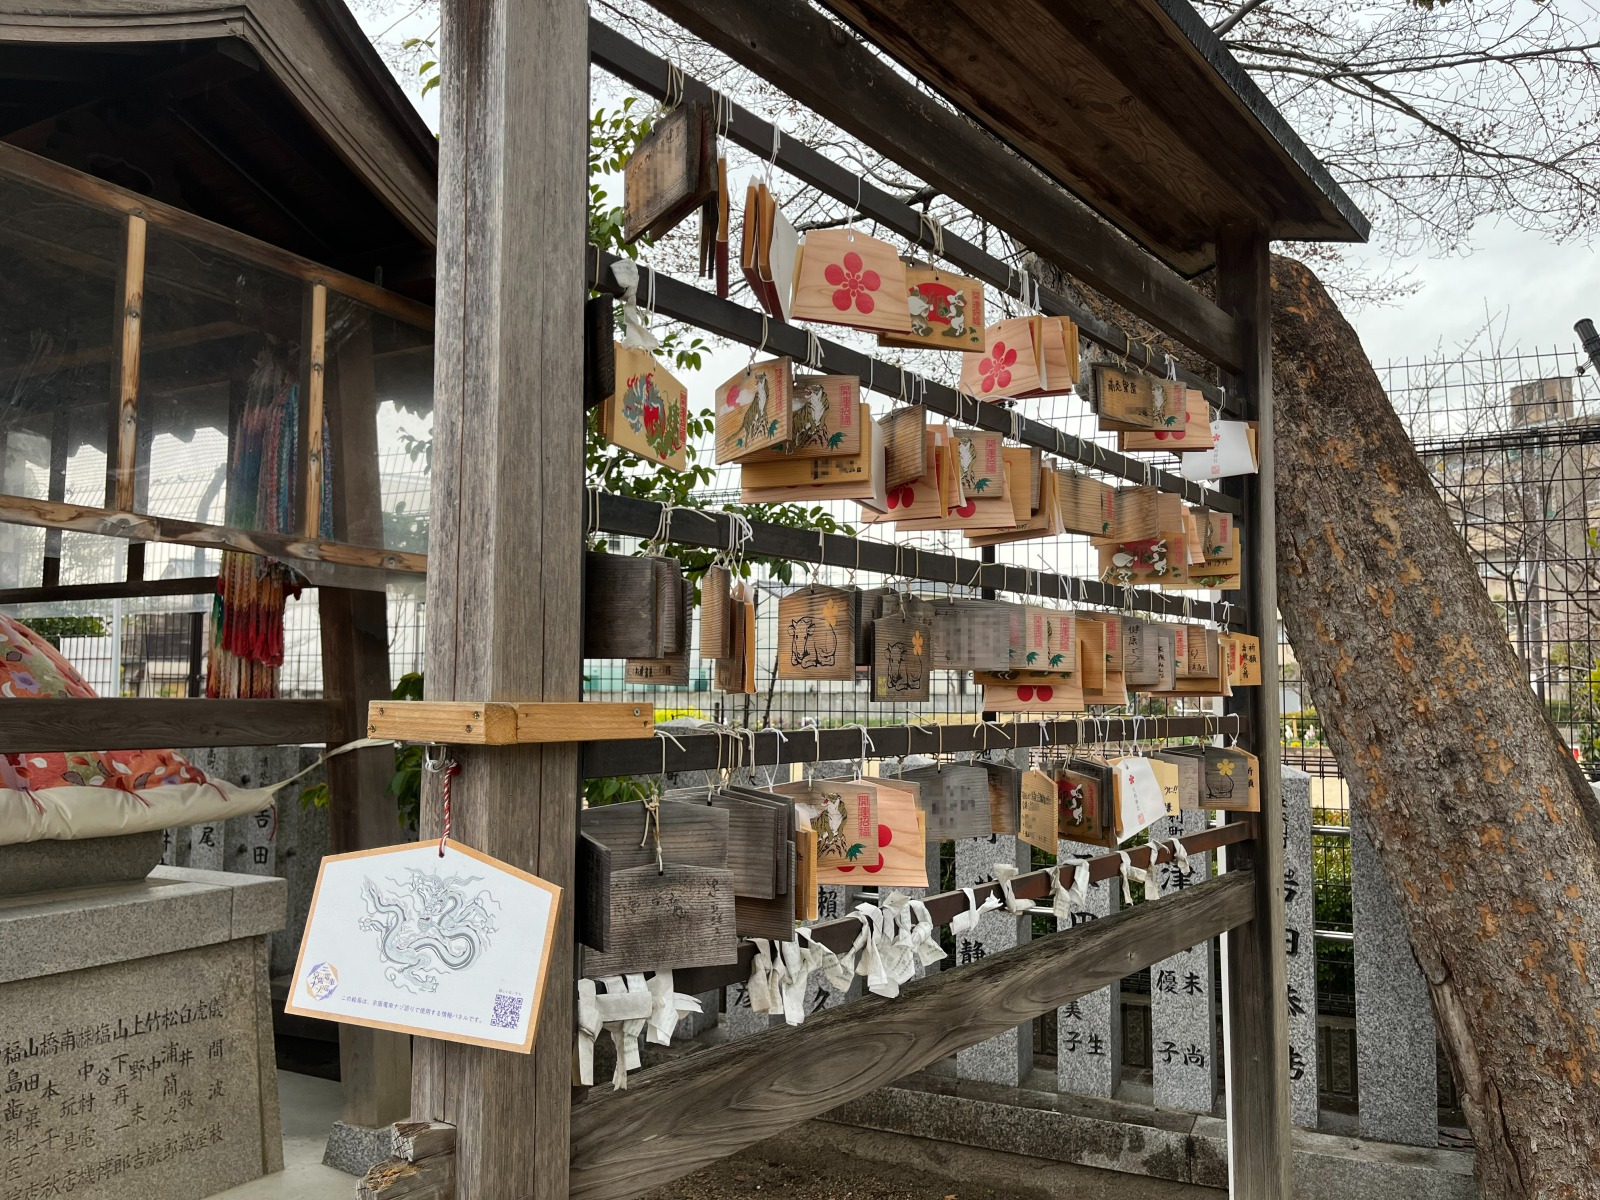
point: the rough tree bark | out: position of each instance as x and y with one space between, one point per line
1485 828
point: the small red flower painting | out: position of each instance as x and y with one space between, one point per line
853 284
995 369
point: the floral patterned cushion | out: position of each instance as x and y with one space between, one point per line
31 668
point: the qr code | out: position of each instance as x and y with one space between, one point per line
507 1011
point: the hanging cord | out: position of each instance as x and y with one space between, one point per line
436 758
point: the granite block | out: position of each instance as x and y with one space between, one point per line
89 927
259 901
1396 1048
50 865
356 1149
140 1078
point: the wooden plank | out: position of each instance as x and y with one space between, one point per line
396 1179
475 723
417 1140
826 69
505 620
454 722
110 724
108 196
122 456
591 891
590 721
79 518
311 492
682 1115
1255 979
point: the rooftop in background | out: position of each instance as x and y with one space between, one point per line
275 118
1133 105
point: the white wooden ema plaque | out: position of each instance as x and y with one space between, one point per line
453 947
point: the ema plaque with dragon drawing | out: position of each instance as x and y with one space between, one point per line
452 946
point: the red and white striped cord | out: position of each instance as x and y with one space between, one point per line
451 769
437 760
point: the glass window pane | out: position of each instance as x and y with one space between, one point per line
221 391
59 327
380 404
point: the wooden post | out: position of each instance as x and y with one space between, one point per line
311 493
122 443
374 1064
1255 979
505 581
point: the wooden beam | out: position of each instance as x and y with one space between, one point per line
123 447
714 531
200 585
821 65
74 724
374 1064
1255 977
505 614
675 1118
480 723
108 196
79 518
706 751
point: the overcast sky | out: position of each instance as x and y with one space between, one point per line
1534 289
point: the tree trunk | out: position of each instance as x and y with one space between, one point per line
1485 827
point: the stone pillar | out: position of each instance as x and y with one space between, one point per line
1089 1030
1183 997
1008 1057
1396 1053
1300 946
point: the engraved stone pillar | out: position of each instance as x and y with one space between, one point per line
1183 998
1089 1029
1300 947
1008 1057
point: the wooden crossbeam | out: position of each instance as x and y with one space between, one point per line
149 724
496 723
677 1117
80 518
800 50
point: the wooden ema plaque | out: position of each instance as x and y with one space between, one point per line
648 413
1037 806
971 635
675 915
905 445
901 859
946 312
621 608
843 816
981 464
1031 693
753 410
780 478
902 651
1009 364
816 635
672 668
672 172
1005 797
1086 504
1083 789
1132 400
824 420
955 798
768 250
716 633
847 278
